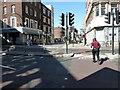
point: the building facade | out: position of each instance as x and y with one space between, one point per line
22 21
94 23
52 22
59 34
46 25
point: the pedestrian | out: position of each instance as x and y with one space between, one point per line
95 45
29 42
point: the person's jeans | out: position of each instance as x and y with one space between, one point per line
95 52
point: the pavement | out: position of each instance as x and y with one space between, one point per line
74 70
58 50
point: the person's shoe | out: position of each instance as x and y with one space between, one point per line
94 61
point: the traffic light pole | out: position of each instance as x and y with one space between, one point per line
66 33
112 33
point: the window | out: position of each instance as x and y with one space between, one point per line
40 15
49 14
97 10
113 6
36 24
39 6
44 11
5 10
27 22
44 28
35 3
31 23
26 9
13 8
5 22
13 21
102 9
31 1
48 21
35 13
31 12
4 0
44 19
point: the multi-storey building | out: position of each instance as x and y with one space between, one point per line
52 22
95 25
59 34
24 20
46 25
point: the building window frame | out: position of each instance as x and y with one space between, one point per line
103 9
27 22
31 11
39 6
5 10
40 15
44 19
44 11
36 24
49 13
48 21
113 6
4 0
12 8
26 9
13 23
31 23
5 22
35 2
97 10
35 13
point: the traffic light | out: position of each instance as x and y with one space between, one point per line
107 18
71 18
117 17
62 19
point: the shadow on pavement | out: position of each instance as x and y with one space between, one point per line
47 72
103 59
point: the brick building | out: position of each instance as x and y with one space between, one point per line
46 25
59 34
23 20
52 22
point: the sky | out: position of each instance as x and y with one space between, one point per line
77 8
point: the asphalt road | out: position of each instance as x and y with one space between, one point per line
50 72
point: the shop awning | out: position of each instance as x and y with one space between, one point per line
33 32
22 30
8 30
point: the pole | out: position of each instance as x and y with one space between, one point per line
112 33
73 39
119 48
67 33
118 40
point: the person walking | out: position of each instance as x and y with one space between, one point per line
95 45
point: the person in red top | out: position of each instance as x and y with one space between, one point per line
96 49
